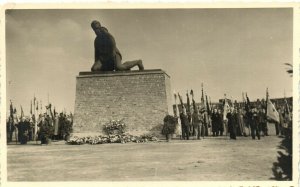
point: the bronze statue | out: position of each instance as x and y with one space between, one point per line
107 55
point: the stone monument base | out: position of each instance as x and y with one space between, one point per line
141 98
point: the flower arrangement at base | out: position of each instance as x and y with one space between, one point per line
114 127
115 133
119 138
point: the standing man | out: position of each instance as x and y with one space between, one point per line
185 124
263 122
10 128
220 123
56 126
197 123
254 123
241 122
231 124
215 122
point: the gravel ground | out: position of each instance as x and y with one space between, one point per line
211 159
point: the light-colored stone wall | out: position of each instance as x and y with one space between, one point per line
142 98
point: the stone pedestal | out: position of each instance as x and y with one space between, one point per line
141 98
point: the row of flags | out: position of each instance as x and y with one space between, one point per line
270 109
36 108
204 105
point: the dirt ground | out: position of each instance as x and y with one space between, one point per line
211 159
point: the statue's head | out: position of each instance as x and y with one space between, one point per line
96 27
95 24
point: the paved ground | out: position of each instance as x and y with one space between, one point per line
213 159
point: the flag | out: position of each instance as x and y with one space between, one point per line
244 100
248 104
31 107
226 107
266 104
11 108
175 107
188 103
271 111
22 113
287 113
37 105
180 99
193 101
202 96
211 106
207 106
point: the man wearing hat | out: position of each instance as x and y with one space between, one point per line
107 55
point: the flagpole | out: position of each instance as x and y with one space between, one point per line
41 112
35 120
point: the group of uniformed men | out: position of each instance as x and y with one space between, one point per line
236 122
55 126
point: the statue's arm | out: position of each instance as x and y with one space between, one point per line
97 55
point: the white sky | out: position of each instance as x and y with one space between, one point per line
230 50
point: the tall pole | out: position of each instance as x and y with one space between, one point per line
35 120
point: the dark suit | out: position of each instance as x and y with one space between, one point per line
185 126
254 124
232 122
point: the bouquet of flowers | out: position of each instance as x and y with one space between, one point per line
114 127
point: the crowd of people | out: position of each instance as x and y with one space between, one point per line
48 125
236 120
189 121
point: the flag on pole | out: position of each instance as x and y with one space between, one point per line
37 105
11 108
41 107
22 112
211 106
193 101
207 106
31 107
180 100
188 103
202 96
271 111
287 112
248 104
244 100
226 107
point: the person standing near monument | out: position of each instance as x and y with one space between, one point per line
231 123
254 123
56 126
197 122
214 121
185 124
220 123
107 55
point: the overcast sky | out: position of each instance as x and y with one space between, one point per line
230 50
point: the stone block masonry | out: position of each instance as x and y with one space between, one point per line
141 98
